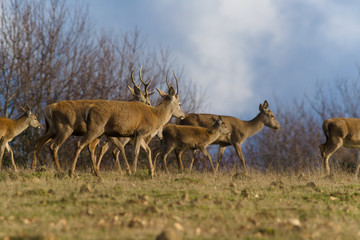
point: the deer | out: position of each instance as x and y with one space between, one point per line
122 142
129 119
240 129
182 137
339 132
11 128
64 119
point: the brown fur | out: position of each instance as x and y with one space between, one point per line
339 132
129 119
66 118
11 128
181 138
240 130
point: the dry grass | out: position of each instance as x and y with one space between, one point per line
191 206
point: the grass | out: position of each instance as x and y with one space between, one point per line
42 205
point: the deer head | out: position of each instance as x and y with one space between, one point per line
137 93
268 116
172 97
33 122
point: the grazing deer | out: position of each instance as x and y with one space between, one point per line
240 130
182 137
11 128
64 119
339 132
129 119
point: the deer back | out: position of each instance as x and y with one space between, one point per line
347 129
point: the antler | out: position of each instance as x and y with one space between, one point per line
145 84
177 84
133 78
167 79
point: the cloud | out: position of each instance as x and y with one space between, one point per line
243 52
220 37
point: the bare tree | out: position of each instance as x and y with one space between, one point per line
49 53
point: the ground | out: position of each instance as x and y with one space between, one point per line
45 205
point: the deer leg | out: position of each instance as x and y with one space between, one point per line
156 154
121 147
2 150
104 148
241 157
92 147
357 164
56 144
220 155
8 148
192 159
87 139
136 153
146 147
179 154
205 153
168 151
327 149
39 143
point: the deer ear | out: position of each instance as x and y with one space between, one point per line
266 105
261 108
131 90
171 91
162 94
26 109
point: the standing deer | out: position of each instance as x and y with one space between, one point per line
11 128
339 132
240 130
182 137
64 119
129 119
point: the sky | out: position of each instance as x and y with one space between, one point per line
242 52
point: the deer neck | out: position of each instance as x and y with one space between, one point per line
21 124
214 133
162 113
255 125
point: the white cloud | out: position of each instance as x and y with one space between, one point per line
220 37
243 51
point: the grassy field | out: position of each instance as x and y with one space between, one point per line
42 205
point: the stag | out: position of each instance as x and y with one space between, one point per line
120 143
240 130
339 132
64 119
11 128
182 137
129 119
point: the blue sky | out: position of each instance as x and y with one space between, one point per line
245 51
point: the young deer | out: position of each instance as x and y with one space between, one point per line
340 132
64 119
129 119
240 130
11 128
181 138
